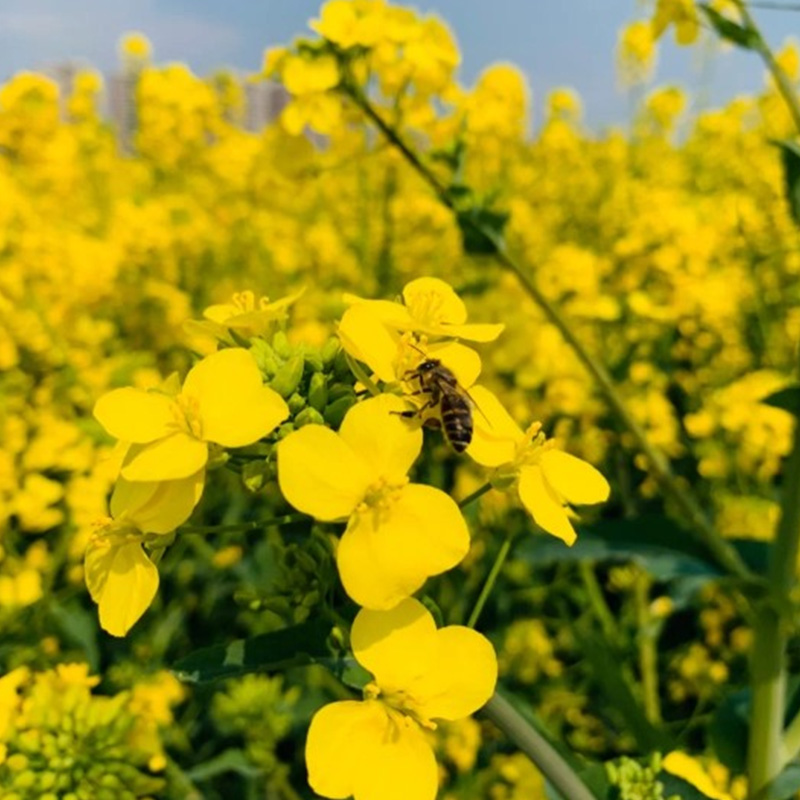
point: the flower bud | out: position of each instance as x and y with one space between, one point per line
280 344
329 351
334 413
265 357
318 391
308 416
297 402
288 376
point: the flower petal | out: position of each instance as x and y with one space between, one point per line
176 456
400 767
474 332
340 739
122 581
385 556
430 299
368 340
395 315
462 361
574 479
398 645
461 677
385 441
544 506
157 507
235 408
319 474
134 415
495 435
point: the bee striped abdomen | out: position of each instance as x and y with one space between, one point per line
456 421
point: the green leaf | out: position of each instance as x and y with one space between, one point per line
604 664
658 544
299 645
675 786
729 730
786 785
787 399
79 629
790 155
731 31
481 230
231 760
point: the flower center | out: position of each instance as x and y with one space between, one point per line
187 415
401 705
531 447
244 301
380 497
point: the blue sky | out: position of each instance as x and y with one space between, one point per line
555 42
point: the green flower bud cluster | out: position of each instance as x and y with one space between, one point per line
257 709
79 750
306 576
315 381
632 780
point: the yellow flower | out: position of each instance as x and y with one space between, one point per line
349 23
377 749
243 315
690 769
222 400
371 330
322 112
303 74
121 578
680 13
547 479
135 46
398 533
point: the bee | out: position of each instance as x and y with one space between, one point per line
453 401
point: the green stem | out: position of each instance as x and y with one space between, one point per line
491 579
723 553
563 778
598 602
791 739
648 654
782 80
237 527
478 493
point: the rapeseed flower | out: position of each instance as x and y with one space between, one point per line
120 576
546 479
377 749
398 533
223 401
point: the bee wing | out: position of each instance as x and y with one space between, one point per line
475 405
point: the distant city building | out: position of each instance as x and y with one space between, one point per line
264 100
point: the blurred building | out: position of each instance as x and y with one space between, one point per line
264 100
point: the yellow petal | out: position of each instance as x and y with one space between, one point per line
461 677
157 507
381 438
395 315
176 456
319 474
385 557
122 581
339 738
495 435
462 361
368 340
398 645
688 768
575 480
477 332
431 299
400 766
134 415
547 511
234 406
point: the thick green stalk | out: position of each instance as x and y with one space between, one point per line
723 553
563 778
648 652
